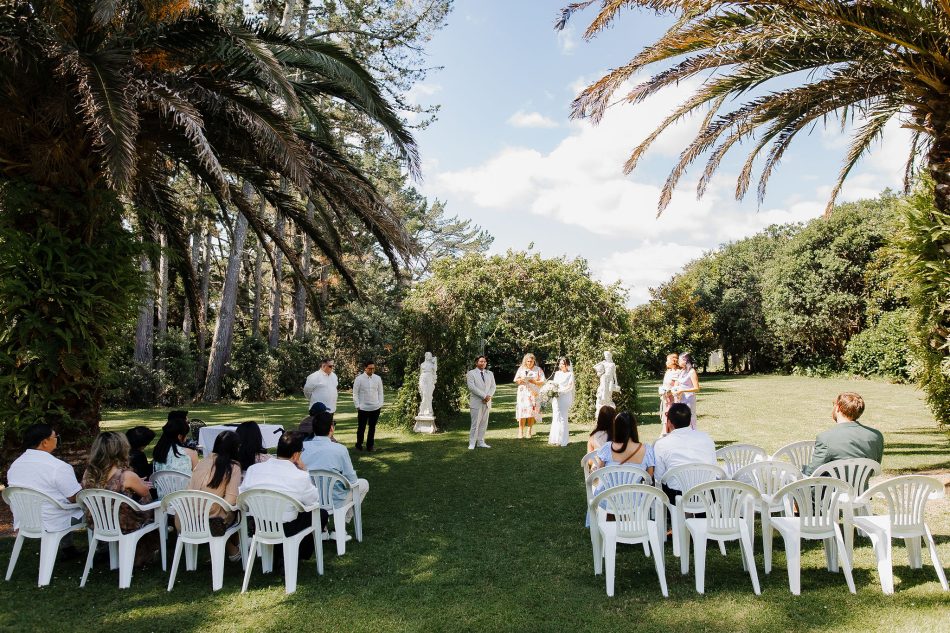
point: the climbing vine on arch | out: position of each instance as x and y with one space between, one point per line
521 301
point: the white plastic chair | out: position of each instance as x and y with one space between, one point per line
610 477
27 506
858 473
730 516
906 499
735 456
586 464
193 510
797 453
104 507
631 505
768 478
818 500
165 483
325 481
687 476
267 508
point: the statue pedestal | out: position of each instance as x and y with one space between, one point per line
424 424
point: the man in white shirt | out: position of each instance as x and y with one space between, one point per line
322 453
36 468
481 388
682 445
321 386
368 400
288 475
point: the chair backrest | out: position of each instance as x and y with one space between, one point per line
104 507
735 456
726 503
27 506
857 472
798 453
768 477
325 481
817 499
268 508
631 505
906 498
193 510
586 463
690 475
168 481
618 475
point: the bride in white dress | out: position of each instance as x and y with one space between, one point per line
561 404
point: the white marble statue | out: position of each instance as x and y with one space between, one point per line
427 377
608 386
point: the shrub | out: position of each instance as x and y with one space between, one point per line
252 371
296 360
176 369
882 349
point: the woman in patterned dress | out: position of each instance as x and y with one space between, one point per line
529 379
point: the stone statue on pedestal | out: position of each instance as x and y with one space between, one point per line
607 371
428 373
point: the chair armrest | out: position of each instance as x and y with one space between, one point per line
155 505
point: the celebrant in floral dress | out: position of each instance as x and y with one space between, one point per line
666 390
529 379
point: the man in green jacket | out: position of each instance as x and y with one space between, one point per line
848 438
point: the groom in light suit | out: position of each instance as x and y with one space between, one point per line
481 388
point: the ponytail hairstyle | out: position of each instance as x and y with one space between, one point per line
176 426
227 447
625 430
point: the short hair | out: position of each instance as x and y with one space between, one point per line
850 404
322 423
325 361
479 357
35 434
290 442
679 415
140 436
368 362
178 415
317 407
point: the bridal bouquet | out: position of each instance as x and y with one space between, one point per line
548 391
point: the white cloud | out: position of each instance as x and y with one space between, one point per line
644 267
567 40
531 119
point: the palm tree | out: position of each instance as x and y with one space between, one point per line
866 61
102 105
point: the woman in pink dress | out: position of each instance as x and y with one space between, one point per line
666 391
529 379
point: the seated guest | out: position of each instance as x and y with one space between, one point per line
170 452
287 474
601 433
682 445
139 437
36 468
252 445
306 425
848 438
220 474
322 453
626 448
108 468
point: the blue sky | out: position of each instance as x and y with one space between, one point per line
504 153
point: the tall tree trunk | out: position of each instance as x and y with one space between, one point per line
273 338
300 295
205 296
195 257
938 156
258 290
288 15
163 284
304 18
145 326
224 327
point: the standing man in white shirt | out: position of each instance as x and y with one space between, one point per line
368 400
681 445
481 388
321 386
36 468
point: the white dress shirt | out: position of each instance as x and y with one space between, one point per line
321 387
679 447
368 392
282 475
41 471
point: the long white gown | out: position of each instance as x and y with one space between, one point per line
561 406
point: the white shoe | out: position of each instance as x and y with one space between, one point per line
483 445
471 447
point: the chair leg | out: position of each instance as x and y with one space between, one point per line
831 555
684 552
126 561
646 548
191 556
767 540
936 561
845 560
699 554
722 547
89 557
793 557
882 551
358 520
339 526
318 549
244 541
267 557
49 547
610 562
598 548
745 546
163 537
217 562
675 528
250 565
176 558
914 554
657 544
291 556
113 555
15 554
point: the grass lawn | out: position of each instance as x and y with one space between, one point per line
493 540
